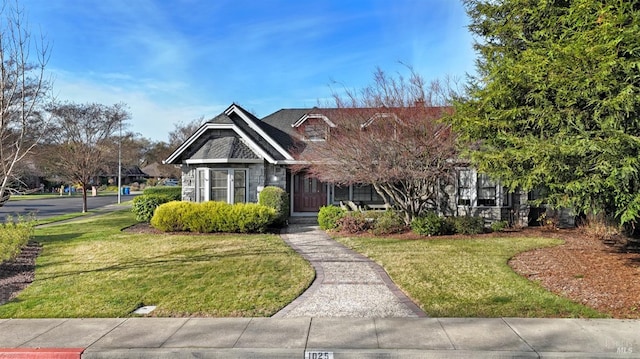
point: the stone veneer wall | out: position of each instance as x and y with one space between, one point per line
188 183
257 176
276 176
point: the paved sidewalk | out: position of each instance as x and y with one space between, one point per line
320 338
347 284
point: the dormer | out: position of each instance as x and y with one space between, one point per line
313 127
381 116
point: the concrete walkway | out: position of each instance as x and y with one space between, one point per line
319 338
347 284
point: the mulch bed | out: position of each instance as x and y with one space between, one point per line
583 269
17 274
586 270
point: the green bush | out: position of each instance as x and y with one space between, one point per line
329 215
354 222
13 236
144 205
278 199
499 226
210 217
448 226
172 216
173 192
429 225
251 217
388 222
468 224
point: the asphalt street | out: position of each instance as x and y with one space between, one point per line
51 207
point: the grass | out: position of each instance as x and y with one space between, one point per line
90 268
467 277
60 218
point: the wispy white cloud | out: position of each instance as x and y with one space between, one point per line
153 111
179 60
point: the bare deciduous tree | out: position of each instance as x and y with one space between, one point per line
182 131
23 90
388 135
82 141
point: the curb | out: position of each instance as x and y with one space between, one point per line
44 353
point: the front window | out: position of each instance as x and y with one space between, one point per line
366 193
239 186
219 186
341 193
201 185
224 185
464 187
486 191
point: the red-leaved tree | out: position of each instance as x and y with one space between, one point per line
388 135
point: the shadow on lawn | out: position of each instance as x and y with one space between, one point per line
56 238
180 258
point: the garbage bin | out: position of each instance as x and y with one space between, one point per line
126 190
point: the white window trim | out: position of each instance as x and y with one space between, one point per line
313 115
473 185
474 195
230 183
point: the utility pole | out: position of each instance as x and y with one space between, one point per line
120 163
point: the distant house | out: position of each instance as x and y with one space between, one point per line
159 171
234 155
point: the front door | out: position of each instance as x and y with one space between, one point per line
309 194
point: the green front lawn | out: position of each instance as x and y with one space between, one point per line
90 268
467 277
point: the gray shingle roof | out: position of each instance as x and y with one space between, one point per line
221 118
228 147
221 143
278 126
255 136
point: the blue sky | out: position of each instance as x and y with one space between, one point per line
178 60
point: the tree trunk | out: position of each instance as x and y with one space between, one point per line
84 198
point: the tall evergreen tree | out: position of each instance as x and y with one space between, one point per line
555 103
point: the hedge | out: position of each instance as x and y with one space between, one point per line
173 192
329 215
278 199
170 216
14 236
211 217
144 205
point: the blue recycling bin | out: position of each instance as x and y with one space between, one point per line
126 190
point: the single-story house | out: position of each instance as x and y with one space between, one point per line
233 156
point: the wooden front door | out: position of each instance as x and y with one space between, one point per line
309 194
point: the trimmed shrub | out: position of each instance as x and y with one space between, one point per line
173 192
144 205
278 199
429 225
171 216
329 215
354 222
251 217
448 226
388 222
215 216
210 217
14 236
499 226
468 224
